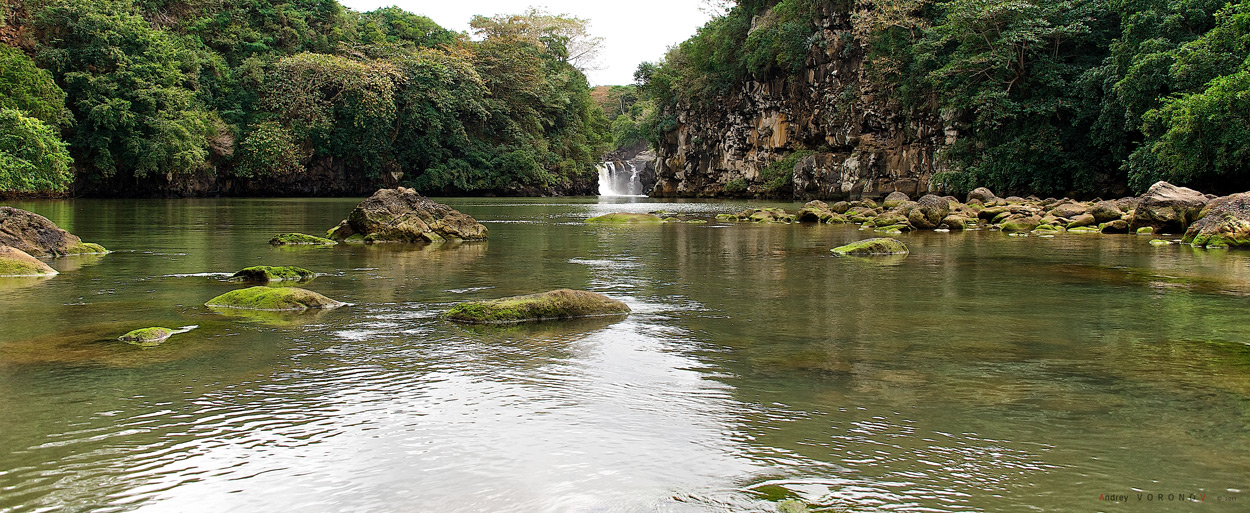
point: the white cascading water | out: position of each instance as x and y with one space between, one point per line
612 183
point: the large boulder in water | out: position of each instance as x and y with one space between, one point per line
894 199
15 262
37 236
929 212
1226 223
402 215
554 305
1168 208
870 247
983 195
283 299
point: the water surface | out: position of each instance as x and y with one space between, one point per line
981 373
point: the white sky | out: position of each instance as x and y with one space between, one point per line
633 31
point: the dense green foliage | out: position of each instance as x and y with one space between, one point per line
163 92
32 158
1049 97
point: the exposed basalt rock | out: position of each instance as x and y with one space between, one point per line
402 215
39 237
554 305
1225 223
1168 208
283 299
865 144
15 262
871 247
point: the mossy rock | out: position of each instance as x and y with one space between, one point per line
283 299
876 246
266 274
146 336
87 248
16 263
1160 242
1146 230
894 228
1020 224
626 218
726 217
554 305
295 239
1084 229
792 506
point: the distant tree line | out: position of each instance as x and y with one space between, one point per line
96 93
1049 95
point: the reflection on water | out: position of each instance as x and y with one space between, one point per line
980 373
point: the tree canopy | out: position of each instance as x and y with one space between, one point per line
152 93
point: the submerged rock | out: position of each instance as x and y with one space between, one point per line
402 215
1226 223
626 218
15 262
37 236
557 304
282 299
296 239
876 246
1167 208
146 336
266 274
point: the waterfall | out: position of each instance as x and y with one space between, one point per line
605 179
614 182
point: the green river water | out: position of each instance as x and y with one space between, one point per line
981 373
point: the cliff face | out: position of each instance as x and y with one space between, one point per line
854 141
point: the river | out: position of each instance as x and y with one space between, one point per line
981 373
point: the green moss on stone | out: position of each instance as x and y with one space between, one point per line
1083 229
273 299
146 336
86 248
894 228
283 239
1146 230
557 304
266 274
626 218
16 263
877 246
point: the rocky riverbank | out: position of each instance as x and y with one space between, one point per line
1178 214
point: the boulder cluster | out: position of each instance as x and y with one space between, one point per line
1204 220
26 236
